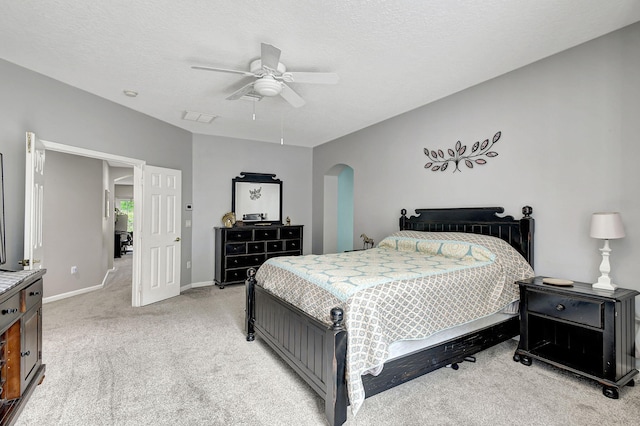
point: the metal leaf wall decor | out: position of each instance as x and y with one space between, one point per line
438 161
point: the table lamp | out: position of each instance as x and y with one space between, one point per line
606 226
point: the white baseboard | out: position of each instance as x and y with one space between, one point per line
101 286
106 276
72 293
195 285
81 291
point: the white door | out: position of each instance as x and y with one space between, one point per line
159 231
33 202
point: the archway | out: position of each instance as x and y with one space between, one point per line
338 209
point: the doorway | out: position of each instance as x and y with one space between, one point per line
110 161
338 209
124 213
156 263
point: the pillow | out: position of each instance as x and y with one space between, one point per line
433 246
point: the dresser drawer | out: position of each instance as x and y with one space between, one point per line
581 311
239 235
33 294
292 245
289 232
274 246
235 275
241 261
235 248
255 247
9 311
266 234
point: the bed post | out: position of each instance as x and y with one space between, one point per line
336 401
403 219
249 312
527 228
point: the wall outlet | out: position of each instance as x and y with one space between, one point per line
74 270
188 264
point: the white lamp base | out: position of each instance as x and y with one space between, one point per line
604 282
604 286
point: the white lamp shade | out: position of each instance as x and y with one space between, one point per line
606 226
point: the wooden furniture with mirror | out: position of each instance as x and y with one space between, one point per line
259 233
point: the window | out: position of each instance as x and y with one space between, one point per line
126 207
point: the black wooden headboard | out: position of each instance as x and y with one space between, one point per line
477 220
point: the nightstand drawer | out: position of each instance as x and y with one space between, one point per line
582 311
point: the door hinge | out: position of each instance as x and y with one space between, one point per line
29 141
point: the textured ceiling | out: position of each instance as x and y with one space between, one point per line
392 56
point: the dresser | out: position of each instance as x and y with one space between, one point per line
578 328
21 367
240 248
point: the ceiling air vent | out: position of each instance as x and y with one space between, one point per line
198 117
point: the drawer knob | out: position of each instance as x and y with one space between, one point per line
34 293
9 311
560 307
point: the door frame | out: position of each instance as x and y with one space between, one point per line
138 166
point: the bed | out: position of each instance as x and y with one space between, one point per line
313 339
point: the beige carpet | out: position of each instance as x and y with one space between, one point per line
185 361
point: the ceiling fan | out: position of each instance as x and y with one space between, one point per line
271 77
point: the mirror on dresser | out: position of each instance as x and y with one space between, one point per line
256 198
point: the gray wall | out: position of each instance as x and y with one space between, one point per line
217 160
59 113
72 225
569 134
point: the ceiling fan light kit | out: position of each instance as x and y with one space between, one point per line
267 86
270 77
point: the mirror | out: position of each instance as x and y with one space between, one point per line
256 198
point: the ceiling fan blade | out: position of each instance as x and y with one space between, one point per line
311 77
270 56
247 73
241 92
289 95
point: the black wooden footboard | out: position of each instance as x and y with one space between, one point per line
316 352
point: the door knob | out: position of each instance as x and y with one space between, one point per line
177 239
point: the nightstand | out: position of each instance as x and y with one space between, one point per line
580 329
